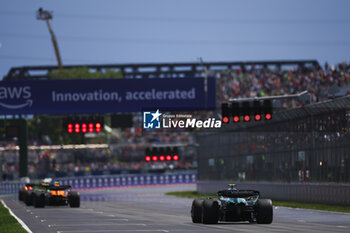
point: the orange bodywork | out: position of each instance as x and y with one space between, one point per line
58 193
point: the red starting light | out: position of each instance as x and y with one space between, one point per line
161 158
70 128
154 158
168 157
91 127
268 116
246 118
257 117
236 119
83 128
98 127
225 119
148 158
175 157
84 124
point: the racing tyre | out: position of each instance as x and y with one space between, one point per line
210 211
196 211
264 214
39 200
24 196
20 195
74 199
28 198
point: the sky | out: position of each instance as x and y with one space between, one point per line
152 31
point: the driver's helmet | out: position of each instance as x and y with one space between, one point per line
232 187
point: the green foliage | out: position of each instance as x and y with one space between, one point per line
191 194
8 223
345 209
83 73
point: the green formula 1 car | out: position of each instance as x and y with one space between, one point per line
233 205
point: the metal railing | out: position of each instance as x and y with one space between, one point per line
157 70
306 144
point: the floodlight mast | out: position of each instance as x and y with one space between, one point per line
47 15
206 73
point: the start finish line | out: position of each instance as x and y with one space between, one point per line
104 95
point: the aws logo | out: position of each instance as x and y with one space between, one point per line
15 97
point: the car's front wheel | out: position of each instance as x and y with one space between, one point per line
74 199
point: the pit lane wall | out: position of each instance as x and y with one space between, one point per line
96 182
334 194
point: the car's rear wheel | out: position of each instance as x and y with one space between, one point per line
28 198
39 200
196 211
74 199
20 195
210 211
264 214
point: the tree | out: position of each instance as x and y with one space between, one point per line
83 73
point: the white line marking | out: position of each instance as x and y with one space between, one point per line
301 221
342 226
17 218
116 219
99 212
117 231
101 224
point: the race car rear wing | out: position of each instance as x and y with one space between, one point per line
238 193
60 187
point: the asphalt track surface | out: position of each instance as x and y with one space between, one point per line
146 209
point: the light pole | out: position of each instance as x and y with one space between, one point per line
47 15
206 73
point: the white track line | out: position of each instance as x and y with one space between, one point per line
98 224
17 218
166 231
